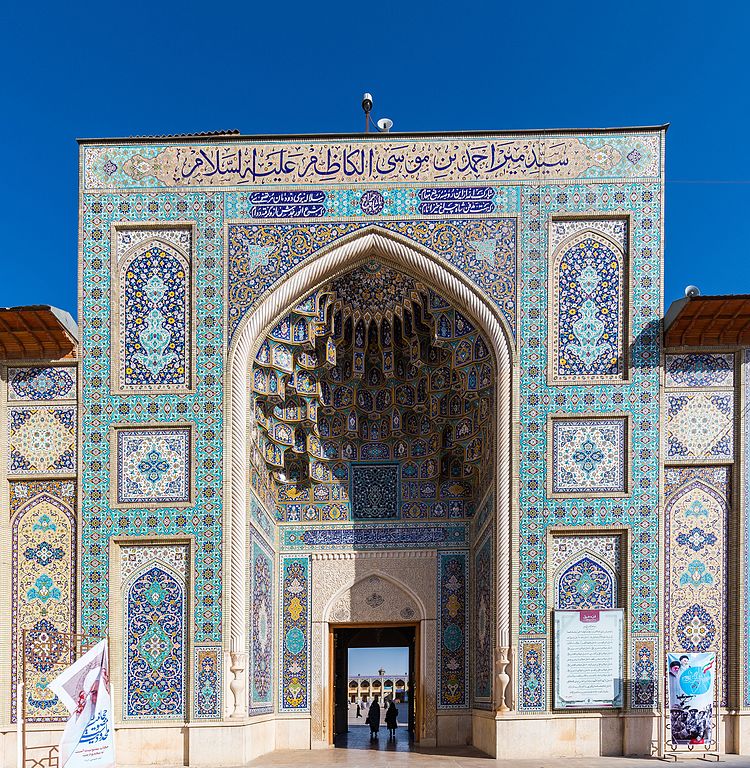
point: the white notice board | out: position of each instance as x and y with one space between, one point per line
589 659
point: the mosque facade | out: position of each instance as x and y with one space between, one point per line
416 382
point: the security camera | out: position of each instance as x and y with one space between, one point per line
692 291
367 102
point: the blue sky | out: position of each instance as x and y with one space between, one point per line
114 69
367 661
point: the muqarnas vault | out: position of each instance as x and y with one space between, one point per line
418 382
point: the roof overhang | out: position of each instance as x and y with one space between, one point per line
708 321
228 137
37 332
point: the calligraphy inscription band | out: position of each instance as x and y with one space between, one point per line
372 161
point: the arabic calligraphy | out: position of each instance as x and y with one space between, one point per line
434 194
354 162
97 729
374 536
288 204
372 202
287 211
249 164
287 197
454 201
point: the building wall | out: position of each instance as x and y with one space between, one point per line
39 530
183 243
705 437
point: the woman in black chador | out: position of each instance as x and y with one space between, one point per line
391 719
373 718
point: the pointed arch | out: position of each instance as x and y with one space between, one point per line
154 288
155 619
588 329
43 590
151 618
383 576
320 267
585 580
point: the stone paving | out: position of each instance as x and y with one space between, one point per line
383 755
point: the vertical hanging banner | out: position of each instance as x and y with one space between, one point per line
88 738
692 688
589 659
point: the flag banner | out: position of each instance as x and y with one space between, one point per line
692 678
88 738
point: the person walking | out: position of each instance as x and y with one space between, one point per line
391 719
359 712
373 719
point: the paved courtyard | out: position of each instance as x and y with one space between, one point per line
384 755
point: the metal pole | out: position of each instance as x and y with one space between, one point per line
20 736
20 714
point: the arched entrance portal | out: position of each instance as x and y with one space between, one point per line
421 383
354 693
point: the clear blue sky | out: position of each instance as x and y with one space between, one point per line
119 69
367 661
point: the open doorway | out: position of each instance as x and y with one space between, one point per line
374 663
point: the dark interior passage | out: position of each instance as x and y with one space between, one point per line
356 736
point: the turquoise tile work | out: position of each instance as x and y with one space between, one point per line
182 242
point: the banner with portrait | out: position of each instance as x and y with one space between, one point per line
691 684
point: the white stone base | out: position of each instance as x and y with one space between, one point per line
505 736
453 729
577 734
202 745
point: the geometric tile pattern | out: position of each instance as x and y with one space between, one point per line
153 466
294 669
532 675
596 193
700 425
42 440
103 405
696 517
154 317
484 622
646 665
262 520
586 571
50 383
452 239
585 584
587 324
704 369
483 514
637 396
588 455
208 682
261 628
453 626
374 491
155 622
43 590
